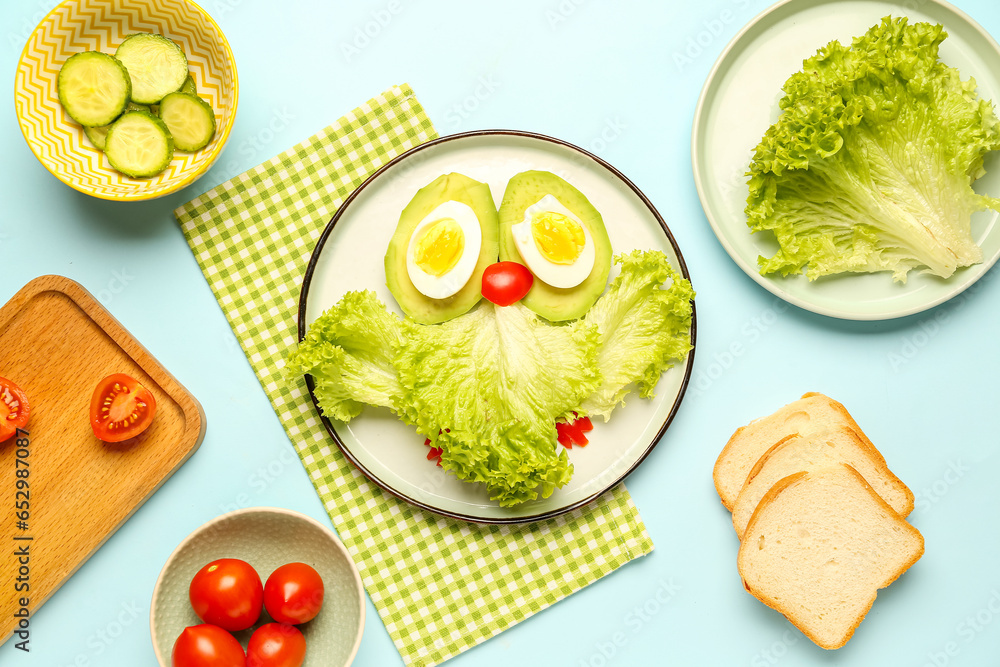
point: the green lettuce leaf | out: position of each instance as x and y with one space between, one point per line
489 386
349 351
869 167
644 320
487 389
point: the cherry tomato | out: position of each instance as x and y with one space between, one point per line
14 409
293 593
207 646
227 593
276 645
505 283
120 408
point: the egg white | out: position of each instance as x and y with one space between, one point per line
449 283
557 275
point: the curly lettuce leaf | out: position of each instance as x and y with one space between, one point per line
644 320
494 382
349 351
488 387
870 165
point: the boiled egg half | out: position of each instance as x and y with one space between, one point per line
444 250
554 243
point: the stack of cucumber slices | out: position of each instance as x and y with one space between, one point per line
137 105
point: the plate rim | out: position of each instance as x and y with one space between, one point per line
711 85
302 326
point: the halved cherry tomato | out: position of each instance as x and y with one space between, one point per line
120 408
207 646
293 593
505 283
227 593
14 409
276 645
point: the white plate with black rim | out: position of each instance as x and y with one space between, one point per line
740 101
349 256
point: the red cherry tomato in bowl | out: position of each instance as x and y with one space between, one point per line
276 645
293 593
505 283
227 593
207 646
14 409
120 408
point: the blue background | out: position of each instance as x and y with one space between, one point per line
621 79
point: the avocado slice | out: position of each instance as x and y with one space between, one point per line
553 303
449 187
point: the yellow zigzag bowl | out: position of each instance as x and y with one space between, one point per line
101 25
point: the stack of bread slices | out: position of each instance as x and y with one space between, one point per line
820 516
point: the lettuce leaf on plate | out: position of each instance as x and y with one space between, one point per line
869 167
349 351
645 323
489 386
494 382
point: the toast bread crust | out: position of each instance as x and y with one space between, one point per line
743 449
785 607
898 495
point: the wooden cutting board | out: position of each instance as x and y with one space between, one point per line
57 342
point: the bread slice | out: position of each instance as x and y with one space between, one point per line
810 413
818 548
798 453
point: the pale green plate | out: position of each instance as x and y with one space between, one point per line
740 101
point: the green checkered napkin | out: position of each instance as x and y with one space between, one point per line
441 586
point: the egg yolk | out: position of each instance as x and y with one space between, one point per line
558 237
439 247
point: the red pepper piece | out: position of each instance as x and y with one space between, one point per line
435 452
572 433
564 437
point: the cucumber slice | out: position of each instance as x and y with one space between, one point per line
139 145
97 135
189 87
156 64
93 88
190 120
